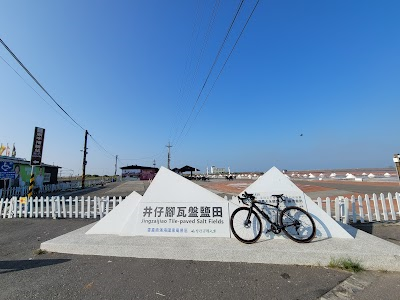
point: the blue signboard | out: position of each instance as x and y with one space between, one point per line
7 170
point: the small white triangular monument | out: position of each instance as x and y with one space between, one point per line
116 219
274 182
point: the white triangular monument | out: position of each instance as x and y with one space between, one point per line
274 182
172 206
116 219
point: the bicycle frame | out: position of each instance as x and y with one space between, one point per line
260 211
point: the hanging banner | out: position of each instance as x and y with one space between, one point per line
37 148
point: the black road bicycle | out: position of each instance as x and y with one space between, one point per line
295 222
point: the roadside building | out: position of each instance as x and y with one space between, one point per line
216 170
136 172
187 169
21 172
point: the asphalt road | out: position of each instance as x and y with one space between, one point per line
26 275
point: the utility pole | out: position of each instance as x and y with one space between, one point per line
116 159
84 160
169 155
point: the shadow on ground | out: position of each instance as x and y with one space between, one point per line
8 266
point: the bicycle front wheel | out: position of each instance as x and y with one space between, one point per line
298 224
245 225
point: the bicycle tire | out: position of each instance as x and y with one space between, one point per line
293 219
246 233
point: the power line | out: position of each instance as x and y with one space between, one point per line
101 147
180 106
143 158
58 112
220 72
212 67
37 82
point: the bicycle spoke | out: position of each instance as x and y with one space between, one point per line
298 224
245 229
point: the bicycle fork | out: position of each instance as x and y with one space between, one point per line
247 222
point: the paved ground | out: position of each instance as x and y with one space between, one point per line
112 189
24 275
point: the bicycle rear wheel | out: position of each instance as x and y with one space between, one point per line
245 226
298 225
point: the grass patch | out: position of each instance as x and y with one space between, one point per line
346 264
39 252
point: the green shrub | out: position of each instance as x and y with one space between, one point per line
347 264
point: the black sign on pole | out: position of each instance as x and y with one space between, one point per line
37 148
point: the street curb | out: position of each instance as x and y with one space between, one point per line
351 286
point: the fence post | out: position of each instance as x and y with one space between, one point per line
360 208
30 207
20 210
5 208
41 207
383 200
47 207
53 208
319 202
95 207
328 206
70 207
113 202
346 210
10 208
337 209
64 211
15 204
376 205
58 207
35 201
88 207
107 205
353 209
1 207
397 195
76 203
369 211
100 205
82 207
392 212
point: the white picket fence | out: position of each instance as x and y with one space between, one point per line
361 209
48 188
58 207
346 210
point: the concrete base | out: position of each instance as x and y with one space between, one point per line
373 253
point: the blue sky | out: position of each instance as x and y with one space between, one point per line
131 72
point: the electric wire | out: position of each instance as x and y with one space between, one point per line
220 72
180 108
143 158
100 146
62 115
211 69
37 82
188 63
